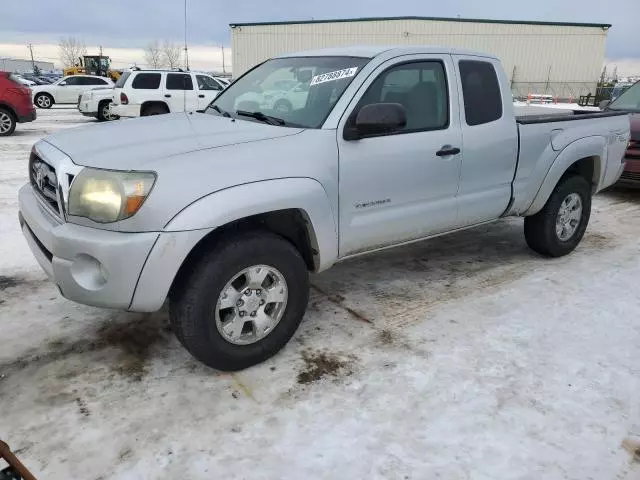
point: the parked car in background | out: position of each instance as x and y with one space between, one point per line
24 81
97 103
283 96
139 93
15 104
33 78
66 90
225 213
224 81
629 101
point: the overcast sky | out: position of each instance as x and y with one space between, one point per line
133 23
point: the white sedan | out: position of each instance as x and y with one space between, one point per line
67 89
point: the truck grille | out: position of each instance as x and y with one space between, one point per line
44 181
633 150
634 176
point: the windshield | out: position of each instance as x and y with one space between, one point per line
629 100
296 91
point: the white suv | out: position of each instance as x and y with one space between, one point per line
67 89
152 92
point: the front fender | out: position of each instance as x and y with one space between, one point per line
243 201
585 147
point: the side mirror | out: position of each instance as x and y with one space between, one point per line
376 119
604 104
62 84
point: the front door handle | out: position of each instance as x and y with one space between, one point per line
447 150
201 96
167 95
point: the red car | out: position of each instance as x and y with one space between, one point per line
629 101
16 105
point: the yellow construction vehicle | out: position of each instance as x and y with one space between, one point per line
93 65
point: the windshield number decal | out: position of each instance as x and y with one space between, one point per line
332 76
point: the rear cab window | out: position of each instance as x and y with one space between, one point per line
179 81
480 92
123 79
146 81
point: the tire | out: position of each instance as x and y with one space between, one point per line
43 100
154 110
194 308
7 122
283 106
104 113
540 230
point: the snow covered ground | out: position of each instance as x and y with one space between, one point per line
464 357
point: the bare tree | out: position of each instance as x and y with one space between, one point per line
153 55
171 53
70 49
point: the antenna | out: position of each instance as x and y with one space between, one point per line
186 58
186 50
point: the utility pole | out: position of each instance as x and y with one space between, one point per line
100 50
223 64
33 63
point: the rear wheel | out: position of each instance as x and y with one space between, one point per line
154 110
242 301
43 100
7 122
558 228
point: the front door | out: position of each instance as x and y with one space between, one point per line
69 92
402 185
208 89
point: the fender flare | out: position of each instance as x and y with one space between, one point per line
594 147
242 201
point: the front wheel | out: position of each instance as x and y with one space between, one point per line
242 301
558 228
44 100
104 112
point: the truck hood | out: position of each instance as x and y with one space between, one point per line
134 144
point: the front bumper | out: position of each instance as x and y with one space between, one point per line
90 266
129 271
87 108
29 117
131 110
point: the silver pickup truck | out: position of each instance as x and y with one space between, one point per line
225 213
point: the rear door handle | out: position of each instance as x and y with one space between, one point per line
447 150
168 95
201 96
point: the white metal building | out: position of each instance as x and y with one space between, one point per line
563 59
23 66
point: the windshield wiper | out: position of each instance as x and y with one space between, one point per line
262 117
220 111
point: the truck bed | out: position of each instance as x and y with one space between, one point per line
527 115
544 136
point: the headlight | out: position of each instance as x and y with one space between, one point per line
108 196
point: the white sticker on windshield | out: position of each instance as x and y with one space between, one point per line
331 76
